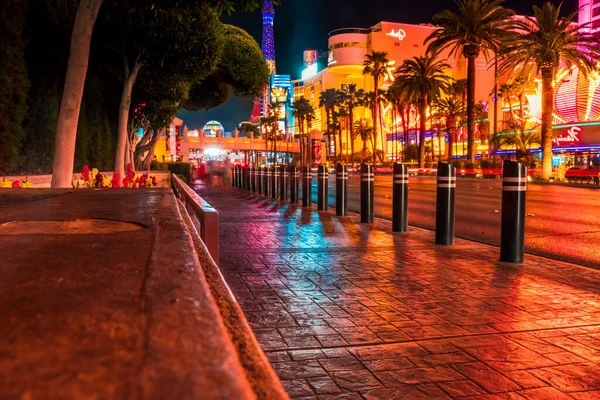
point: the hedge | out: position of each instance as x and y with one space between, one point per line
177 168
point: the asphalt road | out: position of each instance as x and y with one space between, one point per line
562 223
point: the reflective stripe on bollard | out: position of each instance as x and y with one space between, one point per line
514 191
341 190
367 193
294 184
322 188
283 182
400 198
259 181
444 204
275 182
306 187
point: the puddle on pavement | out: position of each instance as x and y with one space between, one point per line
72 227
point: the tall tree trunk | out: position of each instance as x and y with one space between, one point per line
373 136
382 134
68 117
351 129
152 146
124 107
451 125
471 108
547 108
422 130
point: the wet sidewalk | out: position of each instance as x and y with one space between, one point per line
351 311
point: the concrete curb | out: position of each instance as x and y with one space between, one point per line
259 373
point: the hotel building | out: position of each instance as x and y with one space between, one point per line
577 98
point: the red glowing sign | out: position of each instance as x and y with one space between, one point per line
571 136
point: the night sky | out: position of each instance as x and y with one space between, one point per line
304 24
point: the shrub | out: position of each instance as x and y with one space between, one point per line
177 168
182 177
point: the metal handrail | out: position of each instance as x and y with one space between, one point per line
203 215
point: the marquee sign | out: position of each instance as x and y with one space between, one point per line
400 34
570 137
574 135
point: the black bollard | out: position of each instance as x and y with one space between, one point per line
239 178
367 194
400 198
267 183
514 190
444 204
283 182
322 188
341 190
294 184
244 178
260 179
306 187
275 182
253 179
234 183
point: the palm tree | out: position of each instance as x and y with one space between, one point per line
328 99
352 99
546 40
452 109
366 132
300 110
376 64
310 116
479 26
522 141
424 80
370 103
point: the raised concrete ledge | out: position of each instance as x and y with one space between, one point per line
91 313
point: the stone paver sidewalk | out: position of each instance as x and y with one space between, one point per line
352 311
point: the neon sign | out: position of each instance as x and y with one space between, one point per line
330 59
570 137
399 34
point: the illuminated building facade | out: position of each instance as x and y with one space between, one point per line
577 98
347 50
589 16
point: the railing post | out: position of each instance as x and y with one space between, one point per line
514 191
294 175
267 185
283 182
275 183
341 189
367 194
259 181
444 204
322 188
306 187
400 198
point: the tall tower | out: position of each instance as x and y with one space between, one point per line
268 50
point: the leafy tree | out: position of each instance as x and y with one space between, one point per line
376 64
424 80
85 19
370 103
478 26
546 40
13 81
